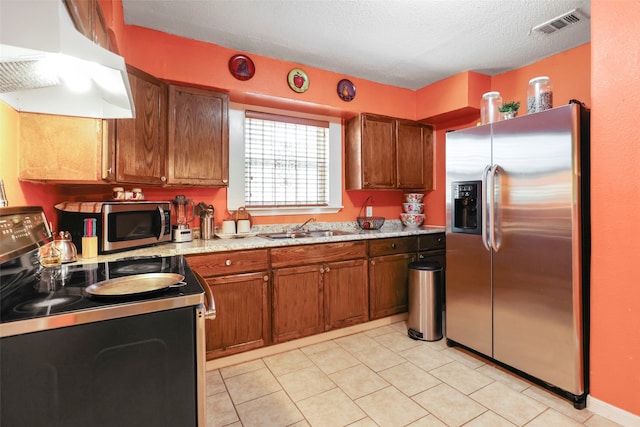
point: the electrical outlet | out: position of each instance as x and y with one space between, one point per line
369 211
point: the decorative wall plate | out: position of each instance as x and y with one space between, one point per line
241 67
346 90
298 80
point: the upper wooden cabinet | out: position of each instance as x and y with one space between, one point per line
88 19
61 149
414 155
388 153
198 137
140 143
180 135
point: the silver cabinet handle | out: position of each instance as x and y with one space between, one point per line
227 262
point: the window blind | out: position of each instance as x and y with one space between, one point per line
286 161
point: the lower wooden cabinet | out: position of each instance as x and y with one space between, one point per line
239 282
314 290
266 296
389 285
242 320
297 302
345 294
389 261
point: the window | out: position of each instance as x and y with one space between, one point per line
283 162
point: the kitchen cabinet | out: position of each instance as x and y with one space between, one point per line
345 293
414 154
389 261
180 135
239 282
317 288
198 137
87 17
61 149
140 143
388 153
431 247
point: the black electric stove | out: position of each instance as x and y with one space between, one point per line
72 359
30 294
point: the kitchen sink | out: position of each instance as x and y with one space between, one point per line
303 234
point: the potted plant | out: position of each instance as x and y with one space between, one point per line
509 110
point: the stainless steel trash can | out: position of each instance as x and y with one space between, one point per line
425 301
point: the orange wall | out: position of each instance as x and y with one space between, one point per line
615 152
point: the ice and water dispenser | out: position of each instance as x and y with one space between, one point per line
466 212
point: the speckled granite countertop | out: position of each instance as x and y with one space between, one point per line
391 228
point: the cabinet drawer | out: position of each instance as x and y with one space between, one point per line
396 245
225 263
427 242
312 254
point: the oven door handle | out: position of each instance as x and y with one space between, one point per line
210 312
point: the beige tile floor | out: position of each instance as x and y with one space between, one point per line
381 377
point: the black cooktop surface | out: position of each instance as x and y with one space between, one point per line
29 291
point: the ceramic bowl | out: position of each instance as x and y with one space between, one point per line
413 197
413 207
412 220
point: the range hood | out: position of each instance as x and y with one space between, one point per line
47 66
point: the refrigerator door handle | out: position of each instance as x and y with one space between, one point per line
492 207
485 201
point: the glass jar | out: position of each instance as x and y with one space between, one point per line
539 95
489 107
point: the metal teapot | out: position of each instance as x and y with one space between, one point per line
68 251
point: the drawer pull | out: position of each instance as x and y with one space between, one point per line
265 278
393 246
227 262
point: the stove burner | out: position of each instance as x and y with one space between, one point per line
137 269
46 304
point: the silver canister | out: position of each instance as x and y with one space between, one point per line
206 223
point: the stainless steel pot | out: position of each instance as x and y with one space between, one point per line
68 251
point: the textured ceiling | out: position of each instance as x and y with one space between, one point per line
405 43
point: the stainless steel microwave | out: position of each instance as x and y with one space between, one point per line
119 226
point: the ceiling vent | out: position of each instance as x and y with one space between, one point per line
562 21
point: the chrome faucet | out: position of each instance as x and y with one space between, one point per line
301 226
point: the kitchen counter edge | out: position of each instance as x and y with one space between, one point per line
200 246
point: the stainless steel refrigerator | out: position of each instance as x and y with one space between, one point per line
518 245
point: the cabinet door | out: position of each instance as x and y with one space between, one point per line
62 149
87 18
414 150
389 284
242 318
297 302
198 139
141 142
378 152
345 293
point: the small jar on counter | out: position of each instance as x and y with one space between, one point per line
539 95
137 194
489 107
118 193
